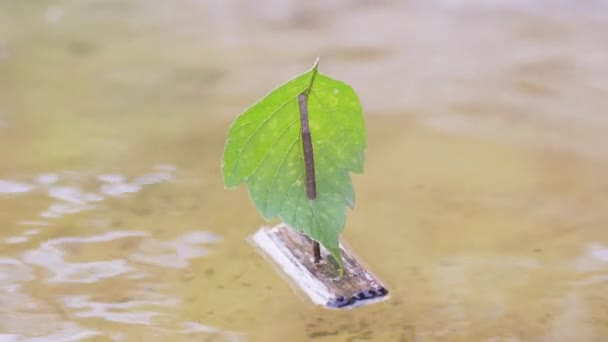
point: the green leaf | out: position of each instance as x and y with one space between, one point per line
265 150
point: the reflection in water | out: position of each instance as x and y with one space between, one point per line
139 305
34 223
50 256
13 272
600 252
595 258
68 332
224 335
11 187
21 238
73 195
48 178
130 312
74 199
116 185
72 260
119 189
21 315
176 253
15 239
112 178
154 178
57 210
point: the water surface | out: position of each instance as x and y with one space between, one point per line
482 205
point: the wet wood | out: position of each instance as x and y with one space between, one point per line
290 251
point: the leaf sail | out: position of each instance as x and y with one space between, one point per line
265 150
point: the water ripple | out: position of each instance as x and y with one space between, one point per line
12 187
154 178
595 258
73 195
51 256
71 199
176 253
48 178
119 189
122 312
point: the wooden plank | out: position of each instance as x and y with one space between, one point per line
292 253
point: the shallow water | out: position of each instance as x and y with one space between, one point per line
482 206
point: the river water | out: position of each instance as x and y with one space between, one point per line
483 205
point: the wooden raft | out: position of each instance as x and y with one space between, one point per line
292 253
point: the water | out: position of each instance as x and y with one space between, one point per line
482 206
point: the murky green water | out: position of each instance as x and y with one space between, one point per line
483 205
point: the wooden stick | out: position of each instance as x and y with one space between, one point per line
309 162
316 251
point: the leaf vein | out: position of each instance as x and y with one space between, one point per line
256 131
289 192
272 144
276 173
